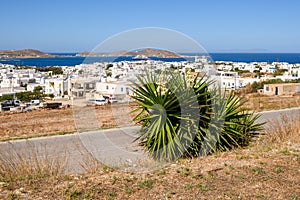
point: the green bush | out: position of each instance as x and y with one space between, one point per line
55 70
182 117
6 97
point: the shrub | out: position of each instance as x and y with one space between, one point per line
183 117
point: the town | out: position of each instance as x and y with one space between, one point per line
108 82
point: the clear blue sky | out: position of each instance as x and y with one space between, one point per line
218 25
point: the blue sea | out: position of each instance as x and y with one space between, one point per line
69 59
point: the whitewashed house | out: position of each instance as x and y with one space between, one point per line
295 71
119 89
57 86
228 80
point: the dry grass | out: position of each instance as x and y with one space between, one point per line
35 123
267 169
30 160
284 131
258 102
53 122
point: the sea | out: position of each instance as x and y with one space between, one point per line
69 59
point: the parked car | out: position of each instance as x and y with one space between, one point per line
113 100
110 99
100 101
11 103
35 102
52 105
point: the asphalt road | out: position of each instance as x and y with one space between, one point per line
275 115
113 147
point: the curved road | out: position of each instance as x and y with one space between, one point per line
113 147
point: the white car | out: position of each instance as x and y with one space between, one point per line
113 100
100 102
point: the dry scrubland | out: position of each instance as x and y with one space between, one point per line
52 122
268 169
259 102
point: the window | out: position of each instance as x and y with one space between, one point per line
267 88
107 87
122 89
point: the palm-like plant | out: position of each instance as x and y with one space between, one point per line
230 126
185 118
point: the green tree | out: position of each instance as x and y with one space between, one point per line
108 73
55 70
256 86
6 97
109 65
278 71
38 89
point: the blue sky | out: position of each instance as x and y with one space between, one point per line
218 25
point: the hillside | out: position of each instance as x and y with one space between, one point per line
146 52
154 53
94 54
24 53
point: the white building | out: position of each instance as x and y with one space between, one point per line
113 88
57 86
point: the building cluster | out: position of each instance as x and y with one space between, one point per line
91 81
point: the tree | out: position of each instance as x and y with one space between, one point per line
6 97
256 86
55 70
278 71
38 89
108 73
109 66
27 96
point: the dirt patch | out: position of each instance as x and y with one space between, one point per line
261 103
46 121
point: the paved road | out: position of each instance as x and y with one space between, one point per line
111 146
76 150
275 115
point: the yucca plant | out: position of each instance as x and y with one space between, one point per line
230 126
185 118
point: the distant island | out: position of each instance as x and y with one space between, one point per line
144 52
32 53
24 53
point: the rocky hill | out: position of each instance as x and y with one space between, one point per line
24 53
93 54
155 53
145 52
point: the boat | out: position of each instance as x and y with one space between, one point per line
140 57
